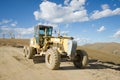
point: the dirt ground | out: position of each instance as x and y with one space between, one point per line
14 66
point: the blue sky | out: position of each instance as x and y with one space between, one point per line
88 21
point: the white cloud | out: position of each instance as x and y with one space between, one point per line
66 2
25 31
105 12
105 6
5 30
56 13
8 22
82 41
36 14
102 28
5 21
8 26
65 32
117 34
71 11
14 24
17 31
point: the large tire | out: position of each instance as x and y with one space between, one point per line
30 52
52 59
81 59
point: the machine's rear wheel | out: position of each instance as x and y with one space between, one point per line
52 59
81 59
30 52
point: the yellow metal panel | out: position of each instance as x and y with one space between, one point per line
65 44
33 43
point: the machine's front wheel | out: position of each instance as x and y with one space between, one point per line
81 59
52 59
30 52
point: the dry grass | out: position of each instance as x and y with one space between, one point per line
101 55
14 42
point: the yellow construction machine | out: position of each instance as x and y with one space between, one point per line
54 48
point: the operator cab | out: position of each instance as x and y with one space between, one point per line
45 31
40 32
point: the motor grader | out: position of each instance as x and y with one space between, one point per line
54 48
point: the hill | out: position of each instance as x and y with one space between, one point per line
107 52
113 48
